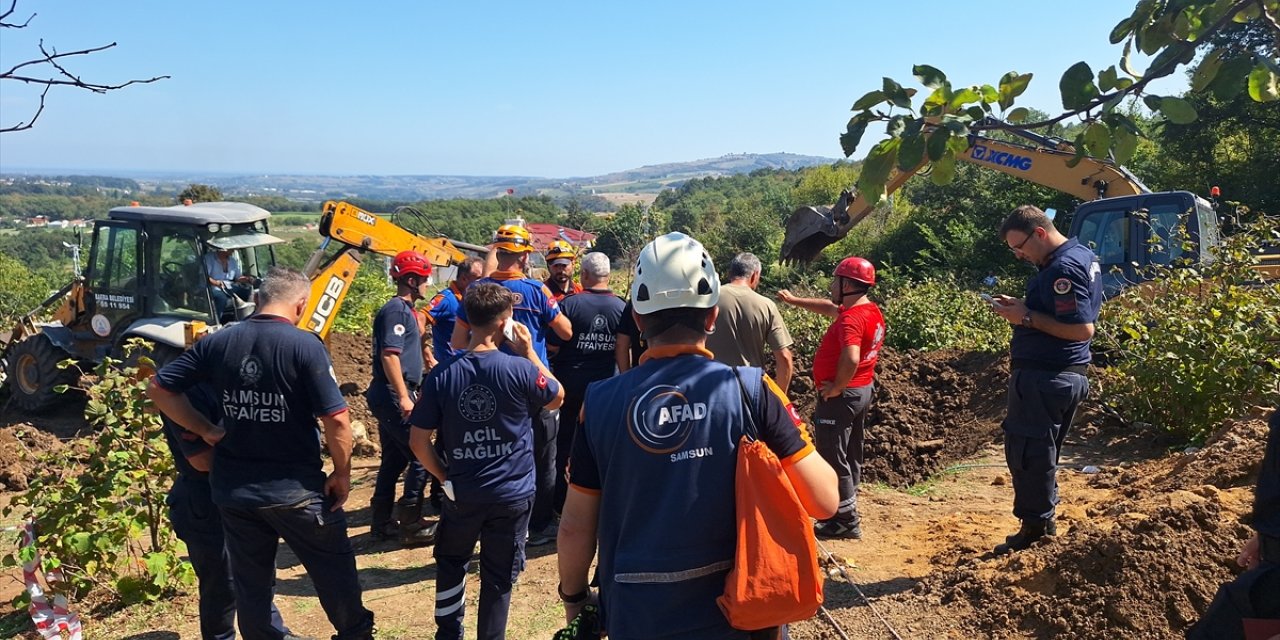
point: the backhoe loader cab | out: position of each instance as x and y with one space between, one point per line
147 276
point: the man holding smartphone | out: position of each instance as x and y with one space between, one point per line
1053 327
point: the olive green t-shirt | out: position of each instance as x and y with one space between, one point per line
748 323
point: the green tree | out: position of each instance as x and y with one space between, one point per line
934 132
200 193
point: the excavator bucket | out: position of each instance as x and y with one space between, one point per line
811 229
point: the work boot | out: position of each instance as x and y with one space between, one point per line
832 530
383 526
414 532
1031 531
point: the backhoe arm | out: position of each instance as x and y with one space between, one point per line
811 229
361 232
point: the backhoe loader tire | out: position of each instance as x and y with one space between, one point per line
33 373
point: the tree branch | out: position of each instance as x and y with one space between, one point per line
13 25
27 125
1267 18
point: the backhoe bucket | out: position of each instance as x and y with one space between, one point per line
809 231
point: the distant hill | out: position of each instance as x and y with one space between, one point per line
316 188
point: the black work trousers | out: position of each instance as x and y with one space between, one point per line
1042 406
500 528
546 425
318 537
838 429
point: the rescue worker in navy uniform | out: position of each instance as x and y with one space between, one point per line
652 471
398 367
1256 593
537 309
1049 356
274 380
482 405
197 523
595 313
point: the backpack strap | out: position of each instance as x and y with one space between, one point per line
750 403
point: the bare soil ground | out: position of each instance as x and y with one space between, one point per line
1142 544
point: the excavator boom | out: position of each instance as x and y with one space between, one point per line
811 229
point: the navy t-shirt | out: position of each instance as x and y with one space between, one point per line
627 327
184 444
1266 503
482 404
588 356
272 380
1069 288
395 329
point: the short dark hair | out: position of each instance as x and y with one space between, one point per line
682 324
469 262
1026 219
485 302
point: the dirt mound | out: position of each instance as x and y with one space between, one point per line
19 446
932 409
352 357
1144 564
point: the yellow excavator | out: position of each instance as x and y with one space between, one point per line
1121 219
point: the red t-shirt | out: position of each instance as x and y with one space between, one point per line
862 325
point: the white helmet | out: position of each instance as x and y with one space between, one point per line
674 272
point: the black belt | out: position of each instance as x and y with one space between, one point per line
1269 548
1022 363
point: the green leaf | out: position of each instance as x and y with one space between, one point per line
1108 79
877 167
80 542
911 153
896 95
937 144
1080 151
871 99
990 94
1152 102
943 170
929 76
1232 77
852 136
1177 110
1168 60
1097 139
1122 30
1264 86
963 97
1012 85
1018 115
936 101
1206 71
1077 86
896 126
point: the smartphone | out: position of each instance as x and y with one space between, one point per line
987 299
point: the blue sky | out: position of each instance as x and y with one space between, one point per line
553 89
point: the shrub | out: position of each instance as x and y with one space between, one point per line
938 314
100 506
370 289
1198 344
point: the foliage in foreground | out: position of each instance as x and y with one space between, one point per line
1198 345
100 505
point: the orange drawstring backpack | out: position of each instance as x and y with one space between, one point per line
775 577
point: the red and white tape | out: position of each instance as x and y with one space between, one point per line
51 620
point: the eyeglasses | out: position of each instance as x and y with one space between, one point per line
1018 247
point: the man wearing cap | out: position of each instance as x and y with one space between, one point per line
398 368
653 466
537 309
560 259
844 369
1049 355
595 313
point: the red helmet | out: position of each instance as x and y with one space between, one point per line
858 270
410 263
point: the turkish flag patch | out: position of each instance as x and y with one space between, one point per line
795 415
542 381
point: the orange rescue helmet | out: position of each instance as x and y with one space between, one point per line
513 238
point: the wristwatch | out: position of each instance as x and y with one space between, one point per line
1026 320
